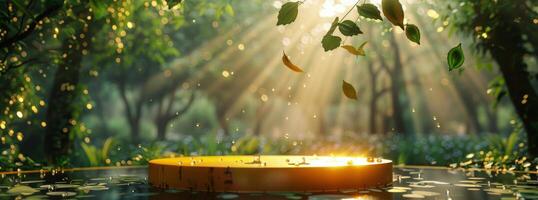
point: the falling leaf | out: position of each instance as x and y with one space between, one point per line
413 33
455 58
393 11
349 28
355 51
349 90
369 10
290 65
288 13
330 42
333 26
351 50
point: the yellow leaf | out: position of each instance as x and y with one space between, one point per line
289 64
349 90
355 51
351 50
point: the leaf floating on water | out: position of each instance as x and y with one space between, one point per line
228 196
349 28
349 90
22 189
426 193
396 190
413 33
288 13
62 194
467 185
370 11
59 186
330 42
93 188
413 196
393 11
455 58
289 64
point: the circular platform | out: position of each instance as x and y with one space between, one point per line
269 173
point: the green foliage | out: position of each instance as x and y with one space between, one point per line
97 156
455 58
497 89
288 13
172 3
506 154
370 11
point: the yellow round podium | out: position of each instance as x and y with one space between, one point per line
269 173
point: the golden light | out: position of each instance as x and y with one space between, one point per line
270 173
299 103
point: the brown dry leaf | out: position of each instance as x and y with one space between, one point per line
289 64
349 90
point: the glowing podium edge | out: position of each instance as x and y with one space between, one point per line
269 173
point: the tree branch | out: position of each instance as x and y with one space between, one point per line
185 107
31 27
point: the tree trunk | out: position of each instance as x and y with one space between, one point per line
61 108
508 53
372 116
161 130
224 125
166 115
133 117
492 121
373 100
62 112
470 106
399 97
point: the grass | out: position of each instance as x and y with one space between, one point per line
492 151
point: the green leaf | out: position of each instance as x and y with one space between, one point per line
172 3
105 151
330 42
349 28
370 11
349 90
393 11
288 13
413 33
455 58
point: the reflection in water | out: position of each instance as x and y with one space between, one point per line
132 184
